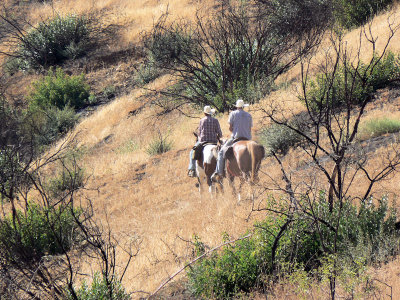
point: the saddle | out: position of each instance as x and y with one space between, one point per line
198 150
239 139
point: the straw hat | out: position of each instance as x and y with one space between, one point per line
208 110
240 103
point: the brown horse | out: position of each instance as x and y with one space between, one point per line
243 160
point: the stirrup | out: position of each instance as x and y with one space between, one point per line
191 173
216 177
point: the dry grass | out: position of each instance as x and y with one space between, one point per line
152 198
135 16
356 42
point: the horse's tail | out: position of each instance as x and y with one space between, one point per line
257 153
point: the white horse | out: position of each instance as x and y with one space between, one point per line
205 167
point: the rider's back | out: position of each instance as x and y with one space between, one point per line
241 122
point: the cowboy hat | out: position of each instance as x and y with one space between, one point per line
240 103
208 110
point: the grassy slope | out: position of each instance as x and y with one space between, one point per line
151 197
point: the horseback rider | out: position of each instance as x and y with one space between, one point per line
240 123
209 131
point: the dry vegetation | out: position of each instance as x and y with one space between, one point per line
151 197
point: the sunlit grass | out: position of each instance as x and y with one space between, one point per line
377 127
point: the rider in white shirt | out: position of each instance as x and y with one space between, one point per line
240 124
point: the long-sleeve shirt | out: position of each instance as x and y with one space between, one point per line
209 129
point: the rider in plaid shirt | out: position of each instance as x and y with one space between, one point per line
209 130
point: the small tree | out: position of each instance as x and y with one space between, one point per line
237 51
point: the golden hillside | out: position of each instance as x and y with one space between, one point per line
150 198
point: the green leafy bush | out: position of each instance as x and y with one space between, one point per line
100 290
37 232
238 267
248 69
60 90
364 233
351 86
378 127
54 41
235 269
357 12
282 244
279 139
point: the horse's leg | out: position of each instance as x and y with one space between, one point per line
199 173
232 185
211 187
241 181
199 185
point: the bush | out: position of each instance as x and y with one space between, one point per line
159 145
378 127
354 13
54 41
350 86
279 139
37 232
168 47
248 69
366 235
66 181
52 123
100 290
147 72
235 269
239 267
60 90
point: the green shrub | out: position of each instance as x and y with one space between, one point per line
147 72
357 12
365 232
52 123
60 90
238 267
37 232
348 86
65 181
168 47
249 67
159 145
235 269
378 127
366 235
53 41
279 139
100 290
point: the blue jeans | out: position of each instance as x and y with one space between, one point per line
221 160
192 162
